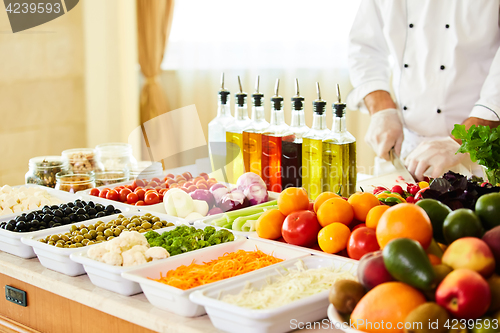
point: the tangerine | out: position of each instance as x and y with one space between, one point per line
335 210
407 221
362 203
334 237
374 215
269 224
322 198
293 199
385 307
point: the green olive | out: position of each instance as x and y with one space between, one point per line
78 238
118 222
72 246
158 225
130 225
100 228
72 228
54 238
146 218
170 224
87 236
146 225
79 245
120 216
51 243
66 246
163 222
132 229
135 221
147 214
110 238
85 242
91 227
100 233
108 232
99 241
65 238
84 231
117 232
90 243
69 242
92 234
60 241
122 227
155 219
59 245
141 230
155 227
100 238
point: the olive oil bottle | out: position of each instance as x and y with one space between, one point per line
252 135
291 158
234 137
272 138
217 129
339 154
312 149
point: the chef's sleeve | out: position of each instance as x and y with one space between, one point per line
369 67
488 105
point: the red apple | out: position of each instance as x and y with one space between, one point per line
471 253
464 293
492 239
372 271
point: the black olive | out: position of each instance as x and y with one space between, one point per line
72 217
75 209
54 207
80 211
3 224
117 211
110 209
34 223
20 225
47 218
13 222
92 217
47 211
91 204
16 230
79 204
63 206
57 219
68 211
51 224
23 214
42 227
100 214
66 220
70 204
58 213
10 227
91 211
99 207
85 217
30 217
33 229
81 217
20 218
56 225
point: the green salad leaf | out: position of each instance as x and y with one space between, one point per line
481 142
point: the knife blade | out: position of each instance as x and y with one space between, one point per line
400 167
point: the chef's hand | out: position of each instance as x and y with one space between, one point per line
385 131
438 155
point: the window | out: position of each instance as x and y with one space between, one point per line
256 34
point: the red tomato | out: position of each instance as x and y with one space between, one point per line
158 188
140 194
301 228
171 176
137 189
113 195
156 179
362 241
192 188
151 198
187 184
179 177
163 190
357 226
187 175
119 188
139 183
103 193
94 192
311 207
130 187
161 197
139 203
124 193
170 181
153 184
181 182
132 198
204 175
202 186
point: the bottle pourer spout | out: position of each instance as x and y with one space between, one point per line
239 82
318 90
222 81
257 83
339 98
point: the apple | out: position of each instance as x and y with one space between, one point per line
471 253
372 271
492 239
464 293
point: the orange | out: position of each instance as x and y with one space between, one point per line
434 259
374 215
388 303
335 210
322 198
361 203
269 224
404 220
334 237
293 199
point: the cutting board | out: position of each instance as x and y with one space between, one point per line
387 180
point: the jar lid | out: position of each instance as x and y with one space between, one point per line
46 162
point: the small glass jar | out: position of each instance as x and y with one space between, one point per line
74 182
110 177
114 156
43 170
146 170
80 160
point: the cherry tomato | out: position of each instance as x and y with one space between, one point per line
179 177
171 176
204 175
132 198
140 183
119 188
103 193
151 198
139 203
124 193
140 194
94 192
362 241
192 188
187 175
170 181
202 186
181 182
156 179
137 189
161 197
130 187
113 195
197 179
187 184
153 184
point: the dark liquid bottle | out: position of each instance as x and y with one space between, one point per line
291 158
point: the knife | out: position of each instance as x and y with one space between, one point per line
400 167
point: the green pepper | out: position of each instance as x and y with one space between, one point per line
393 199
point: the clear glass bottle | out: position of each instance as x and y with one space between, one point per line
312 149
73 182
43 169
80 160
291 158
272 138
217 129
114 157
234 137
252 135
339 154
146 170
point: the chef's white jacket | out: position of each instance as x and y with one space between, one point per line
441 58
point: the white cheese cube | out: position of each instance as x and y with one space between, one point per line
32 206
10 202
6 189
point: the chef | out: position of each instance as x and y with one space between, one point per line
441 61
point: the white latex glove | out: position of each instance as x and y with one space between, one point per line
436 156
385 131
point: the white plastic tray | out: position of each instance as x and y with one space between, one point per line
231 318
338 322
109 277
175 300
57 259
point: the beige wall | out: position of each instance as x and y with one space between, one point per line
42 104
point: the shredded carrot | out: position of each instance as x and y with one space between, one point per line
229 265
